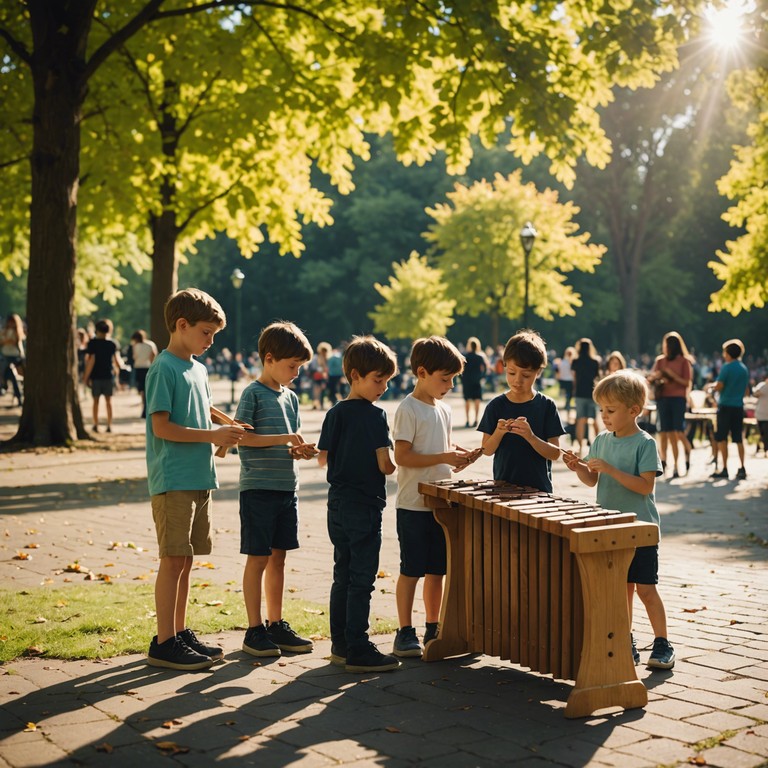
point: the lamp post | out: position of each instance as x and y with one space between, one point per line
527 236
237 278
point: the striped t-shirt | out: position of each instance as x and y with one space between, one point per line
269 413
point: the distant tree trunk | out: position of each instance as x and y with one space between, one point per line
51 412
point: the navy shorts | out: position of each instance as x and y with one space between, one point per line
730 420
101 387
585 408
644 568
268 520
670 414
422 543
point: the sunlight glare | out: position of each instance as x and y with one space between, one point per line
726 23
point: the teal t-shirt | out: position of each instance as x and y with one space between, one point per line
269 412
735 378
179 387
634 454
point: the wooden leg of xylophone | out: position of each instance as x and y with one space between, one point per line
606 676
452 639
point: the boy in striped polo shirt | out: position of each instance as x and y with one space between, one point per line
269 479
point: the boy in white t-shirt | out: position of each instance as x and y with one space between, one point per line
423 453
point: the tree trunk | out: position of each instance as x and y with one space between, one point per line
51 412
164 273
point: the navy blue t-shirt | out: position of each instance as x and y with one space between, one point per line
515 460
353 430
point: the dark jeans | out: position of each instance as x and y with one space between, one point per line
9 374
355 532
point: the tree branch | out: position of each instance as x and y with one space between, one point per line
16 46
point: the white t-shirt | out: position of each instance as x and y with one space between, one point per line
143 353
761 409
428 429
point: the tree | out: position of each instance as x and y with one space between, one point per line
477 246
434 74
415 302
744 265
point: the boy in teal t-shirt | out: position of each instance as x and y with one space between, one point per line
624 463
181 472
731 385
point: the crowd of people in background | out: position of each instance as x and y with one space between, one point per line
321 383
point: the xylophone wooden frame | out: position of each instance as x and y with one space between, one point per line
507 546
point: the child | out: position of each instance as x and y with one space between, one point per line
269 516
732 384
624 463
760 392
181 471
355 445
423 453
522 427
102 364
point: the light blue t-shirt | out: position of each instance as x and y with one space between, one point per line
735 378
269 413
634 455
179 387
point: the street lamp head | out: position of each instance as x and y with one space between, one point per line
237 278
527 235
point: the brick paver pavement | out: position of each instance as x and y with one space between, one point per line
301 711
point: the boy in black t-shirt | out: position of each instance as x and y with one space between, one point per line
521 427
355 446
102 364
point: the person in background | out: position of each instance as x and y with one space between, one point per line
144 352
12 341
102 365
472 380
586 369
760 392
564 377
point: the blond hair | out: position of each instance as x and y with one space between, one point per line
626 387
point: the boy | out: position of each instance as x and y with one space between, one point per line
732 384
181 472
102 364
355 445
624 463
269 516
522 427
423 453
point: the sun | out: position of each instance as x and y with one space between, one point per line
725 22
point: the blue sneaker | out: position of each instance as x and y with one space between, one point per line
662 655
406 643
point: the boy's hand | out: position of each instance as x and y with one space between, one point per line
520 426
303 451
599 465
502 425
572 461
469 457
228 436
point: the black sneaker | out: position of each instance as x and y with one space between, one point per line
635 652
191 641
370 659
433 627
406 643
741 474
721 475
662 655
257 642
175 654
338 654
281 634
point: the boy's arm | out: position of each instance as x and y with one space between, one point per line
117 362
322 458
491 442
583 472
643 483
384 460
405 456
90 359
165 429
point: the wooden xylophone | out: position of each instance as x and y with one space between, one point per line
540 580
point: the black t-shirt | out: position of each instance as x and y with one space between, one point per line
473 369
353 430
515 460
585 370
103 351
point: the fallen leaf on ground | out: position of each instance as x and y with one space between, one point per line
392 729
32 545
30 727
22 556
214 602
105 747
201 564
316 611
695 610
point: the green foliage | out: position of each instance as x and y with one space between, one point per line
476 241
743 264
415 302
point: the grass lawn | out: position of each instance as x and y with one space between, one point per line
100 620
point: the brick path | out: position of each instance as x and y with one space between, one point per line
301 711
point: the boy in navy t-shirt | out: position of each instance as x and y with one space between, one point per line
355 446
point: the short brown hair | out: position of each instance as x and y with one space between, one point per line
282 339
734 347
366 354
436 353
195 306
626 387
526 349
